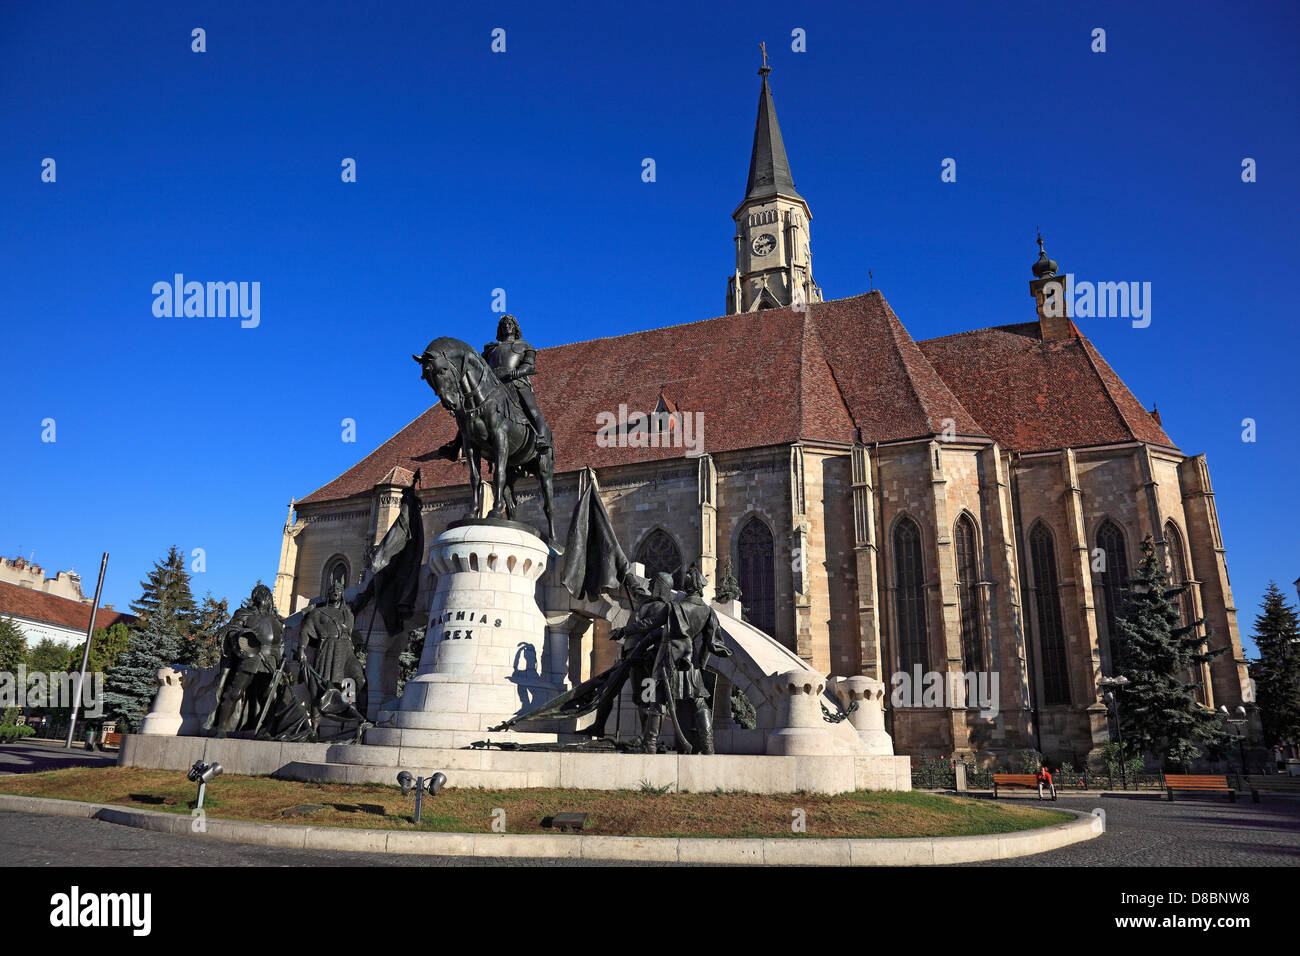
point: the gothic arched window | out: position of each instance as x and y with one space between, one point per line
968 598
336 569
756 558
1114 571
1178 570
659 553
912 636
1186 607
1051 629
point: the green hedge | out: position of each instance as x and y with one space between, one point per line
11 732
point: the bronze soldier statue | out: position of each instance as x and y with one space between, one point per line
513 360
336 681
651 615
252 666
692 637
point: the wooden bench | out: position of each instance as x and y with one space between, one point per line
1027 780
110 740
1270 783
1198 783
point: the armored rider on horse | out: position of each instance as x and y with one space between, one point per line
490 395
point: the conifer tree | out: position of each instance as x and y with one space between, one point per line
131 683
168 580
1277 672
1154 649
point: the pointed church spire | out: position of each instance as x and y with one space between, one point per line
773 263
769 167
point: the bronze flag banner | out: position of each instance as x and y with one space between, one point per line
593 558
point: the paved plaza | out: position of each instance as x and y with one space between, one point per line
1142 830
32 756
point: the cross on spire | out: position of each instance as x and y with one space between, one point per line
765 69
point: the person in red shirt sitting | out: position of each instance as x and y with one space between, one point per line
1045 779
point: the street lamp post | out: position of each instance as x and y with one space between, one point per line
85 652
1112 704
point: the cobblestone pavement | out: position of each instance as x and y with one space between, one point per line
1148 830
31 756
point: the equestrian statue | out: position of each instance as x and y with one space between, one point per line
490 396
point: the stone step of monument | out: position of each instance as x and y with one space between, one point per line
454 739
827 773
346 763
415 720
492 676
477 722
365 773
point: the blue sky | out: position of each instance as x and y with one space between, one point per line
522 171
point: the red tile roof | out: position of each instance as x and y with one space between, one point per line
734 370
856 371
891 389
16 601
1033 395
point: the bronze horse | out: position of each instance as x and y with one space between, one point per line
491 427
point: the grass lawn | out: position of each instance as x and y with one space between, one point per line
610 812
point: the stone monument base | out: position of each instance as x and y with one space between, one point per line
508 770
487 656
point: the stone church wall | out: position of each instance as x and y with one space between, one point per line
329 532
1041 487
903 475
832 566
1071 493
757 483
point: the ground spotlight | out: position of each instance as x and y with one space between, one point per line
203 774
406 782
418 785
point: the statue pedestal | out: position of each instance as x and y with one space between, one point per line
485 656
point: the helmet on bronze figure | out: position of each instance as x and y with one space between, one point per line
261 596
663 586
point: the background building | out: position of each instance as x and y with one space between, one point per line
40 615
65 584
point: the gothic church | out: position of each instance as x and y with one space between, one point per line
886 505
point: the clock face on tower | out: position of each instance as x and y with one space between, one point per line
764 244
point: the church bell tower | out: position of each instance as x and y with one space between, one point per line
773 264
